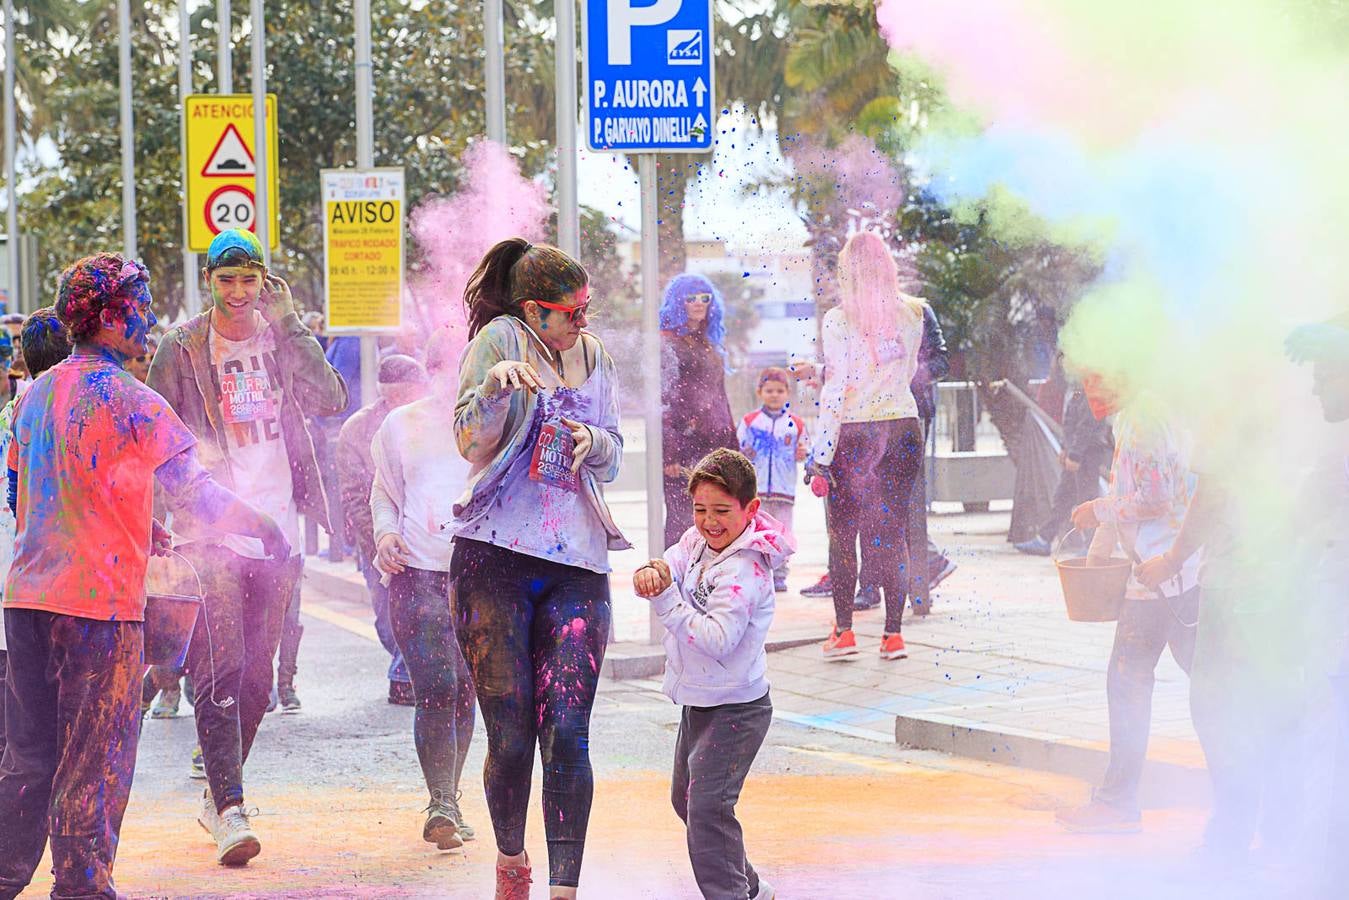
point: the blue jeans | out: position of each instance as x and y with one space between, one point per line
379 601
442 729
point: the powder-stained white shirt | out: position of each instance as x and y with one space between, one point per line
418 475
859 387
250 406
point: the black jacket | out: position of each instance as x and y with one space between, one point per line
933 365
1086 439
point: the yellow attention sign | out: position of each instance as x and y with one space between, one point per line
363 249
221 176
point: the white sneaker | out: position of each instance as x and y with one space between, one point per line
235 841
765 891
208 818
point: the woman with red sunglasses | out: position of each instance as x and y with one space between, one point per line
537 419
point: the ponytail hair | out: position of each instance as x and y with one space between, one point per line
515 271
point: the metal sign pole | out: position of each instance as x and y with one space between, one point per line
496 70
224 52
655 474
11 172
365 159
568 224
191 297
261 211
128 131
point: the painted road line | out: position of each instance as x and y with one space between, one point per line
820 723
352 624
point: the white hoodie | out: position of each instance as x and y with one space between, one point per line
717 612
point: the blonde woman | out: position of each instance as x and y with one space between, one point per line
869 444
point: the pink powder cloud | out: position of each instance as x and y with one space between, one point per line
494 202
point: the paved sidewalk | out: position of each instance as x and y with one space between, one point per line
996 672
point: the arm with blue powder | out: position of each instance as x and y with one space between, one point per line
193 487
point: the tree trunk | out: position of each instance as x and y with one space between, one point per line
673 173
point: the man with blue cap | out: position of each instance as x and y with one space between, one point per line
244 375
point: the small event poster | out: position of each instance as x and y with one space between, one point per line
553 458
363 250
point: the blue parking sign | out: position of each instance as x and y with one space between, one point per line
648 75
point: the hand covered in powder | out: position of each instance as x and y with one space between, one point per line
580 435
275 303
819 478
1152 573
652 579
1084 517
1320 340
274 542
161 540
512 375
391 554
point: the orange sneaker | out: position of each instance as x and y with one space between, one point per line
513 881
840 644
892 647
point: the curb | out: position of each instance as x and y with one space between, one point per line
345 589
1163 784
629 661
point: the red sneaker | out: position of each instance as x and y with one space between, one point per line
513 882
892 646
840 644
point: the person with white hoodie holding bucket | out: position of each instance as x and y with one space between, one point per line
713 592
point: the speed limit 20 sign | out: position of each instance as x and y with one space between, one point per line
221 176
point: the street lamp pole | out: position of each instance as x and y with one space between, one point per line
568 225
11 171
191 298
493 38
128 129
365 159
261 215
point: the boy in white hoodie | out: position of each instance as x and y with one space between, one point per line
714 593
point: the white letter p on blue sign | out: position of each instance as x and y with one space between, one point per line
623 17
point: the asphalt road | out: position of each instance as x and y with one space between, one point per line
339 800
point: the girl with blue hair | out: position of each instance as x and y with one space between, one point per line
695 414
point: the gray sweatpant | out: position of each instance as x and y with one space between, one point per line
713 754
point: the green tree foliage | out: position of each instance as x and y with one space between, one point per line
428 105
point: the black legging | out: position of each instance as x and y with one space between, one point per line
533 633
442 729
874 468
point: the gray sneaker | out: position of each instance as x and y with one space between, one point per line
197 769
235 842
465 830
442 822
166 704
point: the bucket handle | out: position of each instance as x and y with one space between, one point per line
1133 557
210 644
1058 545
201 593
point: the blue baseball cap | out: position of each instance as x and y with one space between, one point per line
234 247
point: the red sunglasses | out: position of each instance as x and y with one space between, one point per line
571 311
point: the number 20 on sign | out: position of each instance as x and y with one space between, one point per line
221 175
